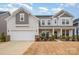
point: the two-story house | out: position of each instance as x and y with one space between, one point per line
59 24
22 25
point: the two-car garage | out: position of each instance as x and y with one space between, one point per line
23 35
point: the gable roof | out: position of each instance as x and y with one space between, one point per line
4 12
21 9
63 12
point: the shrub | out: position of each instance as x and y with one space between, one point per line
74 37
3 37
67 38
71 37
52 38
78 38
42 36
62 37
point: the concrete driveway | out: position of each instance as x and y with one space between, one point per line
14 47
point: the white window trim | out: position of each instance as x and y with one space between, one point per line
49 21
67 21
21 16
43 21
63 20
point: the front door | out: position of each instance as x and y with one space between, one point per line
55 33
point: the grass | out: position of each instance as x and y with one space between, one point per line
53 48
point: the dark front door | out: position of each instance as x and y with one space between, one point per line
55 33
47 35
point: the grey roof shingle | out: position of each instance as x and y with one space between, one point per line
76 20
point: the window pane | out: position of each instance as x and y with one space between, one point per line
48 22
21 16
63 21
55 21
67 22
43 22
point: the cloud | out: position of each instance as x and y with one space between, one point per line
43 9
71 4
55 10
61 5
11 7
68 4
27 5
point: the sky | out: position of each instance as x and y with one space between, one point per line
42 8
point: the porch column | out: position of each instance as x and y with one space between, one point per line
53 31
65 32
75 31
70 32
61 32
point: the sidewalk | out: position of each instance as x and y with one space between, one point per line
14 47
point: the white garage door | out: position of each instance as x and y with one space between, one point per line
23 35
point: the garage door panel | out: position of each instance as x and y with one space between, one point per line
22 35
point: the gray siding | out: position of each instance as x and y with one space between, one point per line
3 23
26 18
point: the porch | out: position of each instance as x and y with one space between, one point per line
57 31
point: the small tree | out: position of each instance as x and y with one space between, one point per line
42 36
2 37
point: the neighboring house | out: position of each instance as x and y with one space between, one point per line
76 24
3 24
59 24
22 25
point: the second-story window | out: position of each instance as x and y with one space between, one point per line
21 16
55 21
49 22
63 21
67 22
43 22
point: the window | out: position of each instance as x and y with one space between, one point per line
43 22
21 16
67 22
39 23
55 20
49 22
63 21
